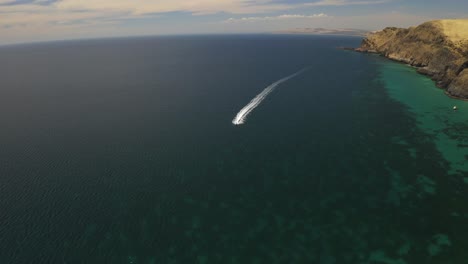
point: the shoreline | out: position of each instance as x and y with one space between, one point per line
418 69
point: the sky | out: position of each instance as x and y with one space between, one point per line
23 21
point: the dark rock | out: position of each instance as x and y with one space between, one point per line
439 49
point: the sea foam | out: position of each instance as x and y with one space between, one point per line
244 112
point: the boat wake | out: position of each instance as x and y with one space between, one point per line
244 112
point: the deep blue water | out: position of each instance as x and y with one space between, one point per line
123 151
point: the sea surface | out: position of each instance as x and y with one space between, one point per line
227 149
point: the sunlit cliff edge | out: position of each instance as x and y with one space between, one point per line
438 48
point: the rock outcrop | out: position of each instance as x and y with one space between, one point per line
438 48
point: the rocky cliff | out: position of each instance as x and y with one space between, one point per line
438 48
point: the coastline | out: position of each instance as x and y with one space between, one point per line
451 96
420 70
437 49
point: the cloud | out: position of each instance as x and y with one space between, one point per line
26 2
32 12
139 7
54 18
272 18
346 3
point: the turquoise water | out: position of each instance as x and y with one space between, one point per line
433 111
124 151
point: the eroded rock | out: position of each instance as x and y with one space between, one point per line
438 48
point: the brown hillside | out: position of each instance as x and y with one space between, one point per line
439 48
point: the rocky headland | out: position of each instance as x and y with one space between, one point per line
438 49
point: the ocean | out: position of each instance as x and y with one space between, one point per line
227 149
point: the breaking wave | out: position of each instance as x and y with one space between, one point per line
244 112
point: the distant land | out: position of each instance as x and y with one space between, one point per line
325 31
437 48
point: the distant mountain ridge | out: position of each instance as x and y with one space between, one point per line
438 48
325 31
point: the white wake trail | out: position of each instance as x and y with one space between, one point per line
244 112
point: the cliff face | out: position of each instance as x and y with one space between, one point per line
438 48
